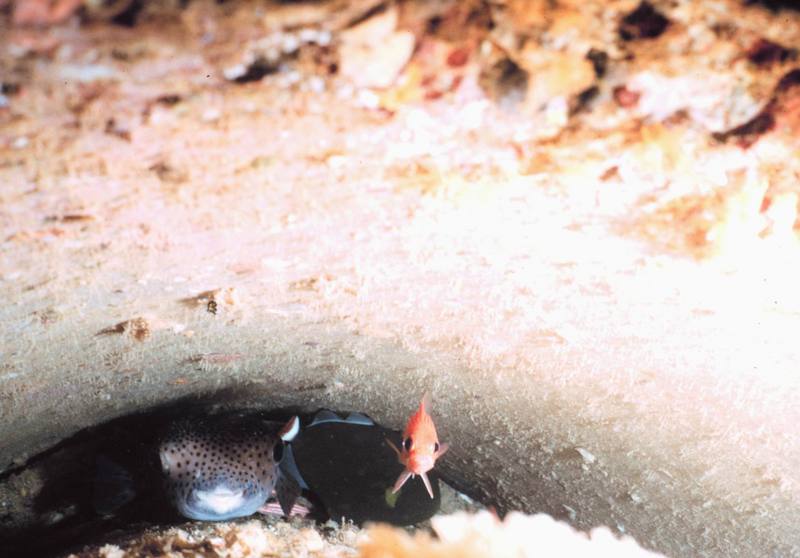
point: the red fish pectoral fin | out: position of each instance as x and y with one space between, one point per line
442 449
401 480
427 484
397 451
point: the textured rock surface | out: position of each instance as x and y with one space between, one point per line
599 292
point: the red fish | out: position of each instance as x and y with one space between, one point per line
421 447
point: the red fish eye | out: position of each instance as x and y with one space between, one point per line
407 444
436 447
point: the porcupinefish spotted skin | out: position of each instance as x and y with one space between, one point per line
221 467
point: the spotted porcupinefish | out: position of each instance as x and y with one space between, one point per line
220 467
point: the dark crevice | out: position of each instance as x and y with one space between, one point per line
788 81
81 501
372 12
9 88
645 22
765 121
506 82
599 60
749 132
129 16
775 5
582 101
765 53
257 70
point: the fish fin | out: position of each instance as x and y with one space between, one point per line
359 418
443 447
113 486
288 491
425 403
326 416
290 429
401 480
288 467
394 447
427 483
271 508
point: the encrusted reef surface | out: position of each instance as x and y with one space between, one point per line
574 223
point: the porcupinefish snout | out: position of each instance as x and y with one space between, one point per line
225 466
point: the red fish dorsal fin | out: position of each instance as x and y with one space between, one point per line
422 418
425 403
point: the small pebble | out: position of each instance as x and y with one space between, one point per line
586 455
308 35
366 98
316 84
211 115
289 44
234 72
324 38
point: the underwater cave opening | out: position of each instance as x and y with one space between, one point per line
111 482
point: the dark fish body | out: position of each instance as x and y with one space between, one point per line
346 463
220 467
113 486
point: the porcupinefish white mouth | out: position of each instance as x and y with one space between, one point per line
220 500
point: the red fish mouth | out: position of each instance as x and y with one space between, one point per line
420 464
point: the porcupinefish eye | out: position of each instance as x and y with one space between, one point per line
277 452
162 454
408 443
